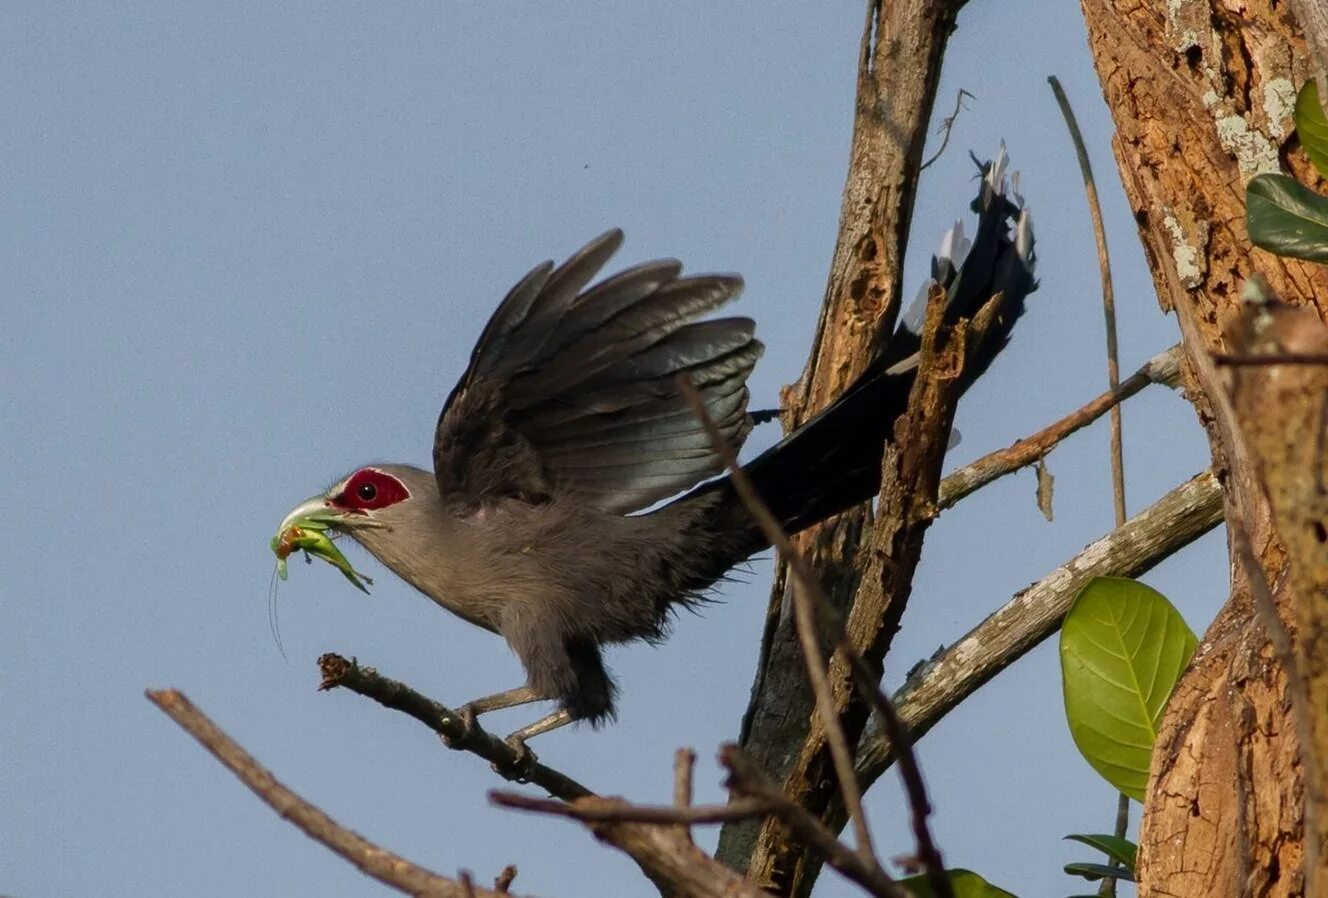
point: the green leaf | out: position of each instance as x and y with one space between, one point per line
1114 847
1123 647
964 884
1094 872
1287 218
1312 127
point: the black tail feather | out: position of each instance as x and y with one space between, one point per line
833 461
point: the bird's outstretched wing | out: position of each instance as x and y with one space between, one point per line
576 389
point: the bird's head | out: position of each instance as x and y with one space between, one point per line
368 504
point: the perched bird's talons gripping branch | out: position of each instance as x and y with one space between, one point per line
568 423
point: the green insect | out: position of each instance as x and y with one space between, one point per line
309 535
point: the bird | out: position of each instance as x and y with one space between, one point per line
544 521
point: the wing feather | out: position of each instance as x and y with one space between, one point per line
575 388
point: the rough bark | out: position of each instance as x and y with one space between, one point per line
1202 93
899 67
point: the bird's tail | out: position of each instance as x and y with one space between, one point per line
833 461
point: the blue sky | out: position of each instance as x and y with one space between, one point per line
248 248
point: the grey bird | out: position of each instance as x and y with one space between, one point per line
568 424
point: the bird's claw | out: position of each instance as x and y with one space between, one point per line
522 764
465 716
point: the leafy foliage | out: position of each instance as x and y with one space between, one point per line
1287 218
1282 215
1094 872
1123 647
1312 127
964 884
1114 847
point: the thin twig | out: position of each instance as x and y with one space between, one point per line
746 778
809 600
615 810
947 126
1108 886
384 866
840 750
338 672
1163 368
684 762
467 884
670 860
502 883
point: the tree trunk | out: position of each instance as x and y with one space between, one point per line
898 69
1202 93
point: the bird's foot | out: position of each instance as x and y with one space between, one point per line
522 764
466 717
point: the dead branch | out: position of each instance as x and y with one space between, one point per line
338 672
664 853
947 128
617 810
1108 886
390 869
746 778
811 604
684 765
938 686
1163 368
899 63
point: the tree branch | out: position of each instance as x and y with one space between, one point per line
746 778
338 672
616 810
664 853
1163 368
899 67
384 866
1108 886
936 687
811 603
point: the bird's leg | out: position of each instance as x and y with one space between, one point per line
468 712
525 758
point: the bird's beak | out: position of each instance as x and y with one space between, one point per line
315 507
306 529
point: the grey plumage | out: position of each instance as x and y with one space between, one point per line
568 423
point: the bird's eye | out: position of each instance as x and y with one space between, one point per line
370 489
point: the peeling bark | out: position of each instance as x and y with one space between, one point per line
1202 94
898 70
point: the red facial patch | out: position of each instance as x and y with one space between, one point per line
369 489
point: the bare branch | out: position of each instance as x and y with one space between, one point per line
502 883
684 762
811 602
384 866
1163 368
338 672
616 810
1174 521
746 778
899 64
805 586
1108 886
947 126
665 854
